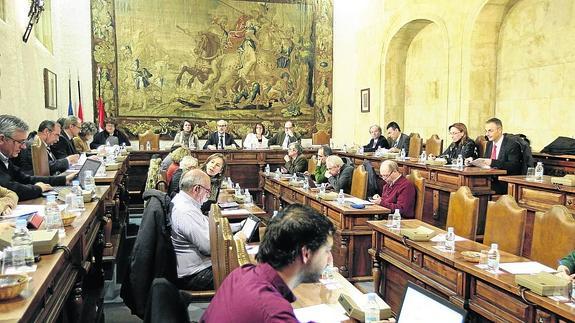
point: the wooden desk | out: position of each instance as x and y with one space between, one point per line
537 196
556 165
253 209
485 295
353 236
58 274
439 183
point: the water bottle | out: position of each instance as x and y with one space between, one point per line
267 170
450 240
278 173
372 309
77 190
331 143
294 178
275 214
230 183
402 154
305 185
396 220
340 197
539 171
148 145
493 258
423 157
89 182
123 148
360 150
238 189
52 216
22 250
344 148
248 197
459 161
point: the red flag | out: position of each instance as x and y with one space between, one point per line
101 113
80 112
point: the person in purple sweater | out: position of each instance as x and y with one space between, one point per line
397 192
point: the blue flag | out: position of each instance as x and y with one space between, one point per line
70 109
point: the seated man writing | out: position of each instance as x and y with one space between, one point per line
296 248
397 192
338 174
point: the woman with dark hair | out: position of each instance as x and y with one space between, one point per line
215 167
110 131
186 138
82 141
461 145
257 138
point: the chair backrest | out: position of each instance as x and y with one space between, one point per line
241 256
311 164
359 182
553 235
504 225
434 145
481 143
214 218
419 183
150 136
415 143
40 163
320 138
225 254
462 213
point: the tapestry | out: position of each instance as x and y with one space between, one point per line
157 63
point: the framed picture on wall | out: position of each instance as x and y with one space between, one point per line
50 90
365 100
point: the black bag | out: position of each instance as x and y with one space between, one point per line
560 146
526 153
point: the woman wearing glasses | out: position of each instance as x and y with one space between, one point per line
461 145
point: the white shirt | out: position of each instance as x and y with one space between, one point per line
498 147
4 160
252 141
190 235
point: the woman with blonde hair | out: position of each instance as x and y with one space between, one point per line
187 163
215 167
176 157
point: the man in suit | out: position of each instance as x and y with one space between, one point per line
48 133
501 152
220 139
13 133
339 174
286 136
295 160
377 140
65 146
398 140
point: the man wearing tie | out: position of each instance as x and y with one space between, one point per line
286 136
397 139
65 146
220 139
501 152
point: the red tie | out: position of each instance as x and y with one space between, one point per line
494 152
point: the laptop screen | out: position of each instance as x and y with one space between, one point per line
89 164
250 226
420 305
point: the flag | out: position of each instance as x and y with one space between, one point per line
101 113
80 112
70 109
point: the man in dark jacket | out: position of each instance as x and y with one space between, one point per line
295 160
64 147
339 174
285 137
377 140
13 133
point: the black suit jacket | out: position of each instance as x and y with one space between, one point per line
381 142
509 158
214 139
64 147
24 161
100 138
14 179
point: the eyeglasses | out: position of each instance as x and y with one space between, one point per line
384 177
222 125
455 133
19 142
209 190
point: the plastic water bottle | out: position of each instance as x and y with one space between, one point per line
539 171
248 198
305 185
423 157
22 250
123 148
79 199
372 309
148 145
89 182
450 240
278 173
267 170
230 183
344 148
238 189
275 214
402 154
459 161
340 197
53 219
396 220
493 258
360 150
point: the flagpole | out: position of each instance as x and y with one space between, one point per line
70 109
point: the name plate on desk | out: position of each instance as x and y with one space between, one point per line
43 241
544 284
420 233
356 311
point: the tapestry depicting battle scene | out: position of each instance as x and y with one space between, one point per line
204 60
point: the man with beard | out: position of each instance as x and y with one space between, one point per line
295 249
190 232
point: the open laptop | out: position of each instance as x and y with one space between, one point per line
420 305
250 226
309 179
112 140
89 164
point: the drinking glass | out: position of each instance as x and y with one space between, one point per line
530 176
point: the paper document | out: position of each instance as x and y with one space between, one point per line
235 212
529 267
252 249
357 201
22 210
320 313
441 238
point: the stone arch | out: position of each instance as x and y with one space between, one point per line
396 56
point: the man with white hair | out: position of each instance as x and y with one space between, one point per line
338 174
190 232
286 136
397 192
221 138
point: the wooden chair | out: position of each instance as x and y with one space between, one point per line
214 219
419 183
359 182
311 164
434 145
153 138
553 235
462 213
224 252
504 225
481 143
415 143
40 163
241 256
320 138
